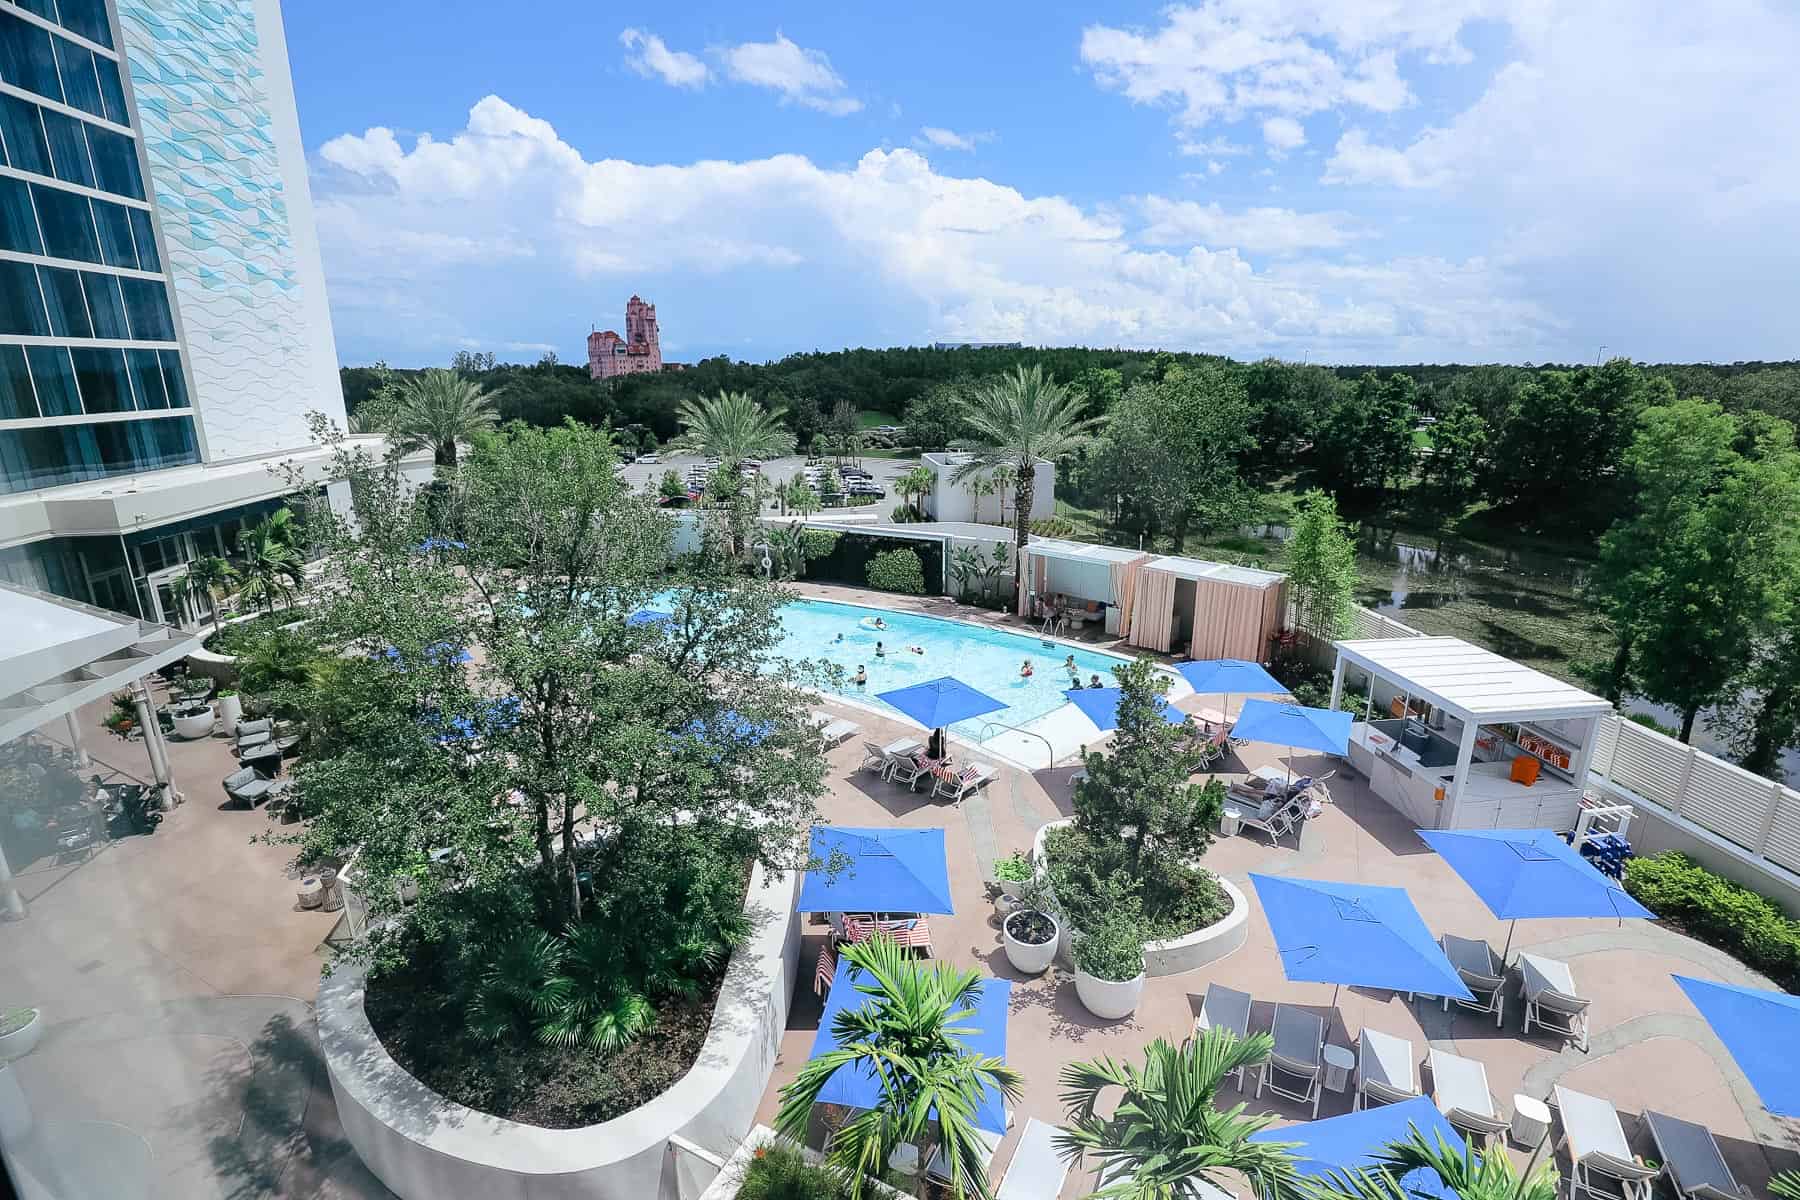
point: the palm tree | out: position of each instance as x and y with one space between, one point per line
269 563
802 499
908 1034
440 408
915 485
1019 420
211 576
733 427
1165 1138
1785 1185
1468 1175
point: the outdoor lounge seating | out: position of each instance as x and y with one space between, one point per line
875 759
1551 1000
1276 816
1460 1087
254 733
1690 1156
1480 972
1600 1159
1295 1067
1225 1008
834 730
912 769
1036 1170
971 778
1385 1069
247 785
939 1167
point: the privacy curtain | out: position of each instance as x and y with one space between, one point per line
1154 613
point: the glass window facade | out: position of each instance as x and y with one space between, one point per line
173 379
106 307
112 90
63 147
147 309
68 148
113 224
100 373
53 375
21 307
143 236
18 223
16 400
63 454
26 57
86 18
67 223
146 378
26 148
115 162
81 85
66 304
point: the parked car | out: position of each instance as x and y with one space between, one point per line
865 489
650 459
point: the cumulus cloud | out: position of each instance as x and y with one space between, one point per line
949 139
650 57
1283 134
974 257
801 76
1211 147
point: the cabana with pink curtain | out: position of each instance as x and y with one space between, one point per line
1208 609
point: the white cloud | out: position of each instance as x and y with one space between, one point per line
650 57
802 76
1211 147
1252 230
972 257
1283 134
949 139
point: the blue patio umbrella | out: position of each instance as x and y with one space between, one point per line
982 1032
1101 706
438 654
941 701
1530 873
1223 676
439 543
1295 726
1360 934
730 723
877 870
649 616
1356 1140
497 715
1761 1029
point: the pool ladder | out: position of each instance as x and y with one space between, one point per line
988 727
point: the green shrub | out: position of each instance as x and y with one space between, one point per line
1719 912
818 543
1014 868
897 571
1650 722
1114 949
781 1172
1053 527
1092 878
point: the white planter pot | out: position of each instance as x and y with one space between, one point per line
1107 1000
21 1042
197 726
1026 958
231 711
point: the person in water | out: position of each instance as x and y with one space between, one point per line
1025 671
1094 682
1069 665
861 678
917 649
837 639
880 651
880 624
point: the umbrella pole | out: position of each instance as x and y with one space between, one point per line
1509 936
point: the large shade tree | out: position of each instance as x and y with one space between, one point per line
1018 421
910 1034
441 410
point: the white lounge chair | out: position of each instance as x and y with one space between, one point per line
1460 1087
875 760
1600 1160
971 778
1551 999
939 1166
1276 817
1385 1070
911 769
1690 1155
1480 972
834 730
1298 1056
1225 1008
1037 1171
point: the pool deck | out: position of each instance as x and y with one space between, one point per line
1650 1048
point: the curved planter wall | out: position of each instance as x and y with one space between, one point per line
424 1147
1175 955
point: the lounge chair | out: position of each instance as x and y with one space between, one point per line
246 786
834 730
875 760
939 1166
1225 1008
912 769
251 734
1037 1171
971 778
1690 1156
1277 816
1600 1160
1298 1056
1480 972
825 970
1385 1070
1460 1087
1551 1000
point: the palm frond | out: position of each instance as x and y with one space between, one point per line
733 426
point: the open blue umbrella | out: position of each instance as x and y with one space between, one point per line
731 724
982 1032
1355 933
649 616
1530 873
440 543
1761 1029
1223 676
941 701
438 654
1101 706
1355 1140
877 870
1295 726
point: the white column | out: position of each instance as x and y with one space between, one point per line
1465 753
153 745
75 743
1584 754
12 905
1337 680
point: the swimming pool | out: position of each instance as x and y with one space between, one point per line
986 659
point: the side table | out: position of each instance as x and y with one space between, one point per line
1531 1121
1339 1062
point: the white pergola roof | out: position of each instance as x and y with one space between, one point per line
1081 551
1470 682
59 655
1198 568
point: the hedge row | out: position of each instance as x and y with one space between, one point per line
1750 927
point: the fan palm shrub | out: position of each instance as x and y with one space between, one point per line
732 426
1165 1138
270 563
909 1034
438 409
1469 1175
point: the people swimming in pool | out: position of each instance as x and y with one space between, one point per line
837 640
880 624
1025 670
1069 665
917 649
861 678
880 650
1094 682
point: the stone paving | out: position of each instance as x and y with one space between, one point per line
1649 1046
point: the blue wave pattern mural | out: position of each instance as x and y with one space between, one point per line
203 107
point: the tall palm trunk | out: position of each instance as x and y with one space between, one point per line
1022 498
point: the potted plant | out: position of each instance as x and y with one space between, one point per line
194 721
1030 932
231 710
20 1031
121 719
1109 966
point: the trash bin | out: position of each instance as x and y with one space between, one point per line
312 892
332 893
1531 1121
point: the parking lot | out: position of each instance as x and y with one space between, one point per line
778 471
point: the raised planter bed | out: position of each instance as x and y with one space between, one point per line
1171 956
423 1146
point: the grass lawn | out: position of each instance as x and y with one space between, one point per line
869 419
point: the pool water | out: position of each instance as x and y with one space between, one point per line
985 659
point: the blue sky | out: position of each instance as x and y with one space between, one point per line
1339 180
